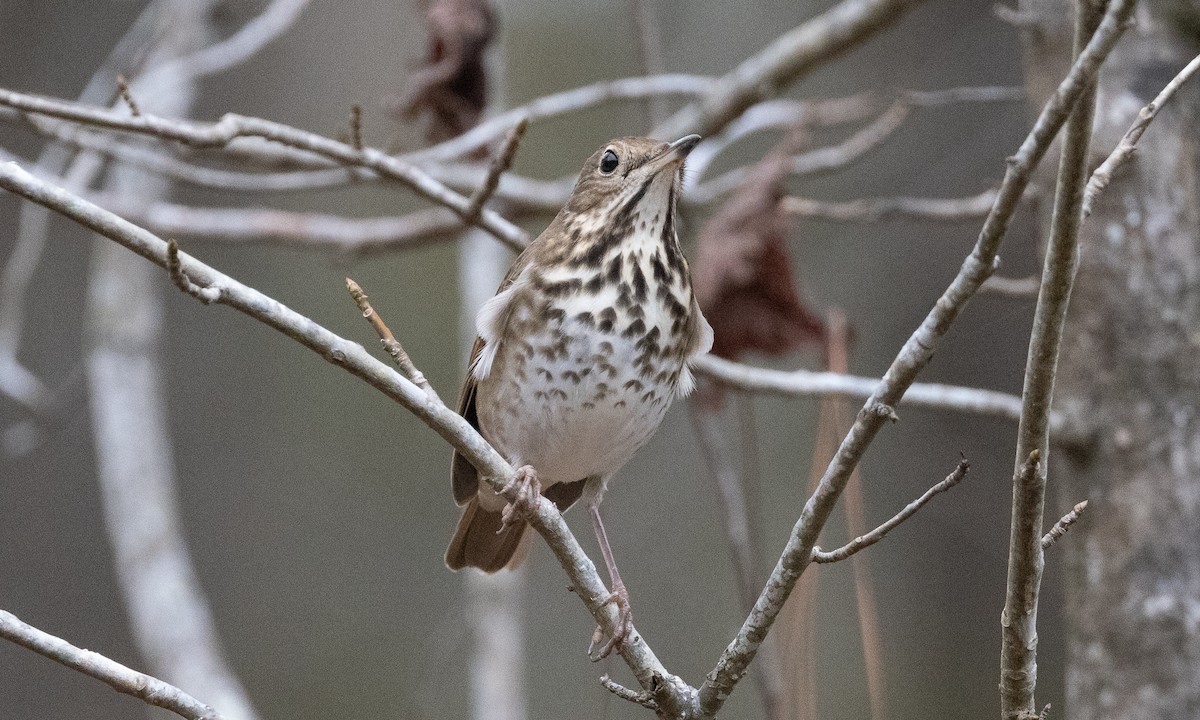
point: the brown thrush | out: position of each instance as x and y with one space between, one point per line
581 351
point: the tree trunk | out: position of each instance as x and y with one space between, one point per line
1129 381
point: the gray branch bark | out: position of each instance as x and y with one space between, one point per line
1130 372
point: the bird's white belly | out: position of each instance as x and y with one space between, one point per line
578 411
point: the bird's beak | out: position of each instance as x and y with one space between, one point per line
673 154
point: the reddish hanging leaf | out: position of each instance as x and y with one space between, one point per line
743 276
452 86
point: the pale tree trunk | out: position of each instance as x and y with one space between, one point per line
168 612
1129 381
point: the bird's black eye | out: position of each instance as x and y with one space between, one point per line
609 162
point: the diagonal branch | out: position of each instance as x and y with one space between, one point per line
231 127
781 63
865 541
1124 150
912 358
120 678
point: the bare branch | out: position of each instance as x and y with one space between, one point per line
564 103
785 60
1063 525
390 343
912 358
231 126
149 689
821 160
316 231
275 20
797 383
779 114
865 541
858 145
500 164
1124 150
878 209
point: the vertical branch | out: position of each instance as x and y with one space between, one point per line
1018 658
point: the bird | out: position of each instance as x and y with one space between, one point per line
587 341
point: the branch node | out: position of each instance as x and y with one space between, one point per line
206 295
641 698
884 410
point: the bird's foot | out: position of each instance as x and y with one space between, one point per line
528 490
624 626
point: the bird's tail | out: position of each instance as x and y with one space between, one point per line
479 541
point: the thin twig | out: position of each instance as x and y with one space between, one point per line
913 357
127 96
389 341
1063 525
1103 175
149 689
499 165
356 140
874 210
864 541
642 698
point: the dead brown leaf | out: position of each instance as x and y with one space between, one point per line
743 276
451 88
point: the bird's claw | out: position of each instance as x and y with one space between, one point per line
624 625
528 489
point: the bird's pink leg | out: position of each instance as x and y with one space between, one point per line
619 596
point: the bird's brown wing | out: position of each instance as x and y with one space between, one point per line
464 478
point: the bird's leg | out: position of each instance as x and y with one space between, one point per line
528 488
619 595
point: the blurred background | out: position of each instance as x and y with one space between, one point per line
317 511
